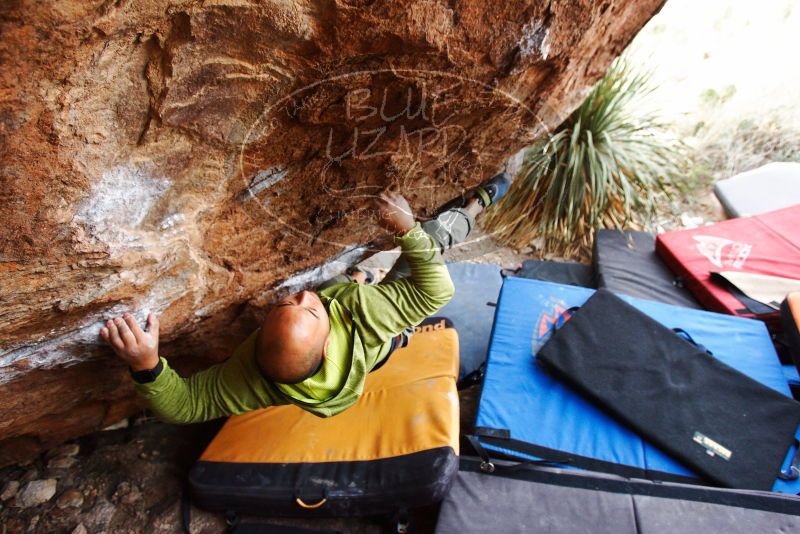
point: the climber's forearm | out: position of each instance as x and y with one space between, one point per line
219 391
407 301
388 309
429 275
174 399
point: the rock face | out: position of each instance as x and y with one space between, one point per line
196 159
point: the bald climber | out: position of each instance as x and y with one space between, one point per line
315 348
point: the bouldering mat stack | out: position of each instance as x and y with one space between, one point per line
547 500
790 323
720 422
526 412
714 260
471 309
395 449
626 262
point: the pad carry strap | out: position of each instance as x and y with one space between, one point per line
794 468
486 463
505 273
475 377
271 528
685 335
487 466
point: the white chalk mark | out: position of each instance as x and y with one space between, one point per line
262 180
168 224
120 202
115 214
534 40
72 347
317 275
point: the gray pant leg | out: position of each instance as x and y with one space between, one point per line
448 229
338 279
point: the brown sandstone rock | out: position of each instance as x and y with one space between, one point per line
194 159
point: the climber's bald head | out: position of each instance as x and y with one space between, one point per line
292 340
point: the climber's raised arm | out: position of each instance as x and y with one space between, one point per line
389 308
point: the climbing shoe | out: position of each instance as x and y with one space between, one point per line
368 275
493 190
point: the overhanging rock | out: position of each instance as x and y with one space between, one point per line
189 158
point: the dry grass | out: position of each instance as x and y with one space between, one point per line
722 145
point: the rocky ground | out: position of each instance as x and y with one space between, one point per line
123 480
130 480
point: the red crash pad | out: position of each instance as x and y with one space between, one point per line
763 244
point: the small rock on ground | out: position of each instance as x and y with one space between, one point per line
125 423
30 474
36 492
72 498
62 462
64 451
9 490
99 517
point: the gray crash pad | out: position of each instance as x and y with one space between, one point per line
545 500
472 310
626 262
767 188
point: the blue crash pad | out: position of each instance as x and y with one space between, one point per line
476 285
554 421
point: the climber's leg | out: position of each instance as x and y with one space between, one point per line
447 230
338 279
353 274
454 225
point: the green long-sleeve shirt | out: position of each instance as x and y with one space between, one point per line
363 319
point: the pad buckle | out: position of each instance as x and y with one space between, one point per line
314 506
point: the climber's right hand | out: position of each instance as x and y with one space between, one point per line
394 212
136 347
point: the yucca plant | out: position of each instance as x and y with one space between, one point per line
603 167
